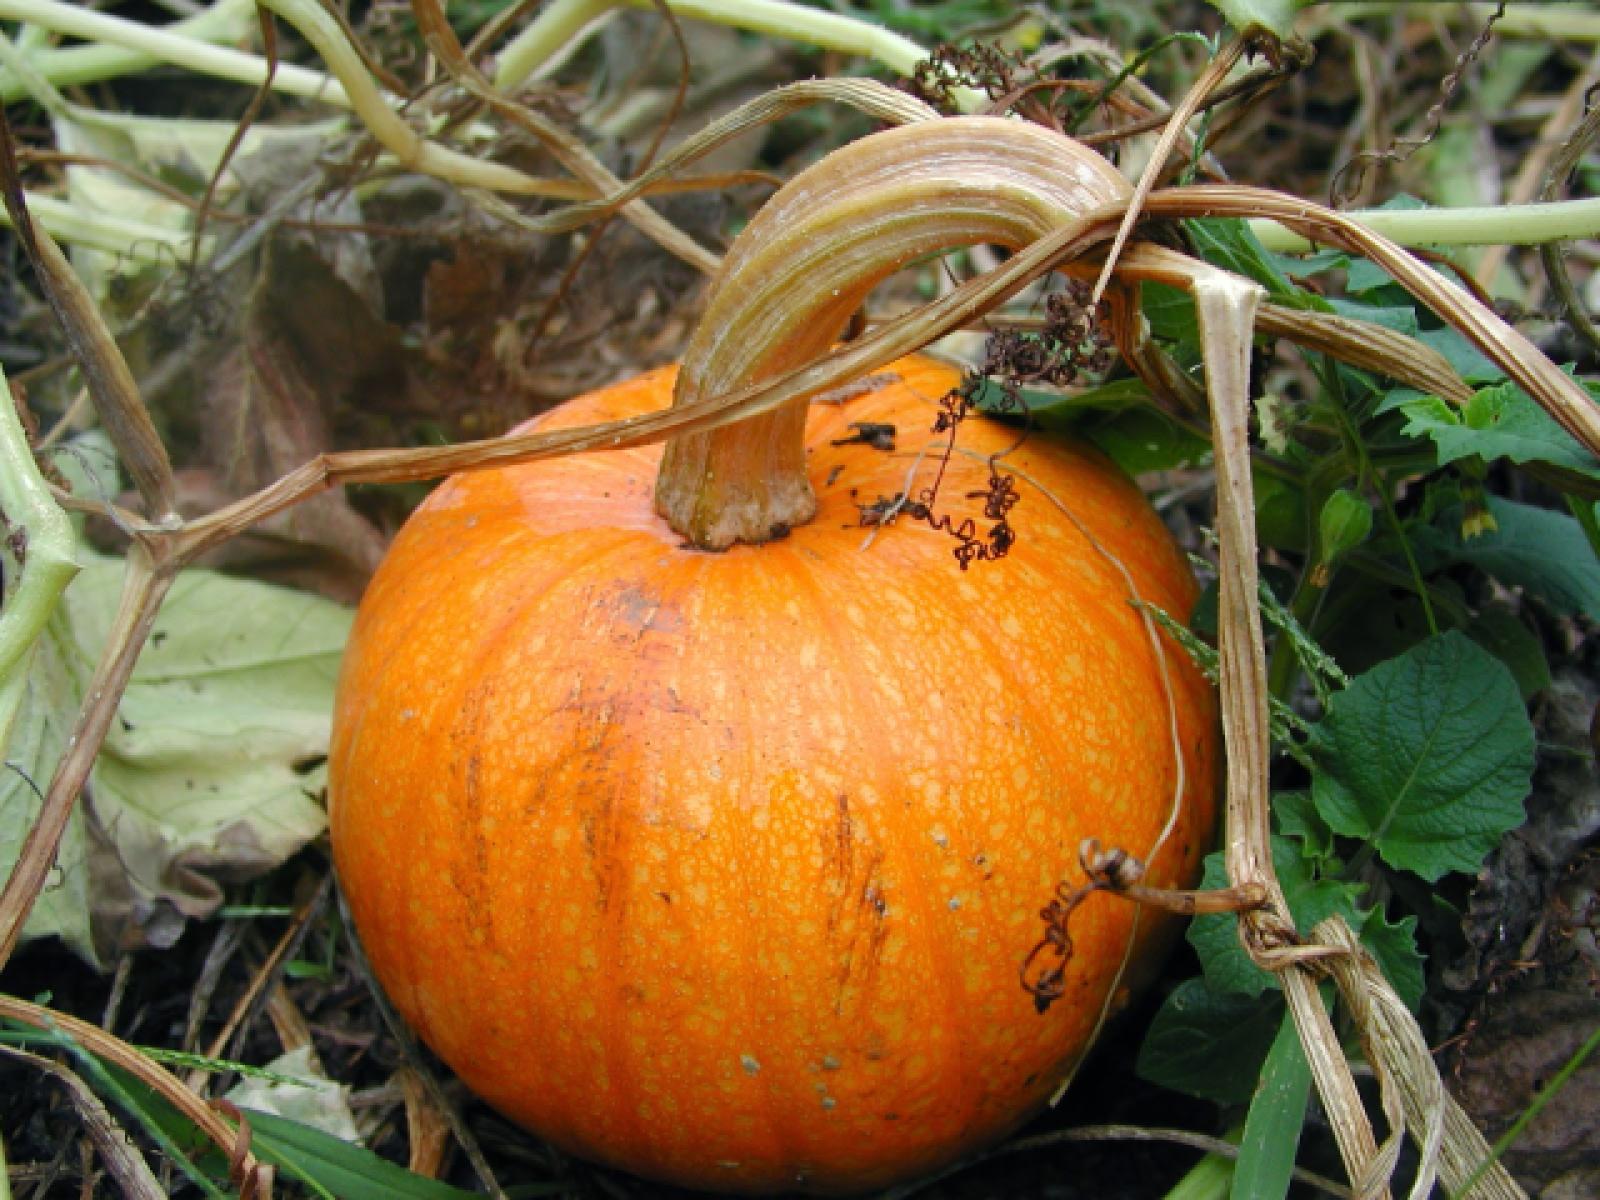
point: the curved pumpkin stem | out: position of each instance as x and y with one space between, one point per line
809 260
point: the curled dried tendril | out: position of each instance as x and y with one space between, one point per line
986 68
1075 342
999 497
1044 971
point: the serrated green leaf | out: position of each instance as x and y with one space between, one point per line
1210 1044
1215 938
1394 945
1500 421
1296 817
1427 756
1271 1137
1543 551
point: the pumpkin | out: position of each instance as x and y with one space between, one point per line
721 867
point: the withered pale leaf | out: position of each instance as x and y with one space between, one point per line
212 770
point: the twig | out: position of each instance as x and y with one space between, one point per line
116 397
255 1175
1210 79
1561 168
1539 167
132 1173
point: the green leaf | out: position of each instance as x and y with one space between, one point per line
1215 938
1277 1113
1394 945
1058 409
1399 317
1280 512
1210 1044
1505 635
1468 361
1543 551
37 706
1344 523
1427 756
344 1170
1297 817
1303 266
1228 242
1498 422
1143 439
1275 16
1170 312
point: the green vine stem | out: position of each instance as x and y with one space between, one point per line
48 541
1489 225
561 26
224 23
181 45
135 241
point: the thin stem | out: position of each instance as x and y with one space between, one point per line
1501 224
382 121
105 371
49 561
141 43
561 26
225 22
432 158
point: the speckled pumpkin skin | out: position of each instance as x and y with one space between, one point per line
720 868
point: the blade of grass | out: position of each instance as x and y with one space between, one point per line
1535 1107
124 1163
106 1084
352 1172
1277 1114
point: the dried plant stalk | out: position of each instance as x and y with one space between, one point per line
1450 1144
132 1173
110 382
253 1176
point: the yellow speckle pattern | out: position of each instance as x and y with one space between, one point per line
619 820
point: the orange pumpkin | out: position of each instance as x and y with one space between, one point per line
722 867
